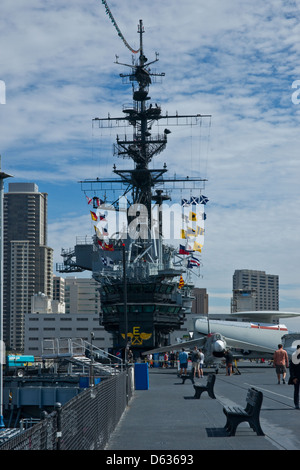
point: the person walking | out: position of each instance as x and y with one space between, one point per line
183 361
201 362
166 360
228 361
172 359
196 362
281 362
295 375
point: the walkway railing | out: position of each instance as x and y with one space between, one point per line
84 423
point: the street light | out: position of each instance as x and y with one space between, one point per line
3 176
125 305
92 362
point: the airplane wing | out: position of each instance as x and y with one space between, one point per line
174 347
264 316
237 344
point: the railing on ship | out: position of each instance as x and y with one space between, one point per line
86 422
68 348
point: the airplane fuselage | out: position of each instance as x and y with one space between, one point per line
267 335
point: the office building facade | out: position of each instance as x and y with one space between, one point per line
254 290
200 302
82 295
42 327
80 317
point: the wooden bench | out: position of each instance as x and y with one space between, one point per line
209 387
250 414
184 377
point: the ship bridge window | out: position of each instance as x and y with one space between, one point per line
149 308
141 288
163 308
169 309
108 309
149 287
136 308
136 288
163 288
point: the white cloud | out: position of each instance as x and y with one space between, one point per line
235 60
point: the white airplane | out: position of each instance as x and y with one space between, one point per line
251 339
290 343
262 330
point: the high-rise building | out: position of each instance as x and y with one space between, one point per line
27 260
200 302
59 288
254 289
82 295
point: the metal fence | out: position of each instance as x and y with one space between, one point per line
84 423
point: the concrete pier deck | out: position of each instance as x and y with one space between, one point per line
167 417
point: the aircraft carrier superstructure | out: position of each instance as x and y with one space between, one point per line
144 279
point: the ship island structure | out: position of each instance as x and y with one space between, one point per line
146 245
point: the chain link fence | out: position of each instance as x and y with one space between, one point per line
84 423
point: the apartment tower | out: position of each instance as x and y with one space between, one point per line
28 261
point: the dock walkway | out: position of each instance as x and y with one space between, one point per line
167 417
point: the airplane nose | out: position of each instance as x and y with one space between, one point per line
219 348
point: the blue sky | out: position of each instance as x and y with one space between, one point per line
235 60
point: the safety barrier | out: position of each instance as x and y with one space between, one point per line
84 423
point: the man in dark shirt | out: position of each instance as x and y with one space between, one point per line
295 375
228 360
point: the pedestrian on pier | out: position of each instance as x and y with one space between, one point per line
201 362
228 361
196 362
281 362
183 361
295 375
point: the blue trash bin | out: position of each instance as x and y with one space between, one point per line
141 376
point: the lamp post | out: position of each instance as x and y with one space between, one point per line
92 362
125 305
3 176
